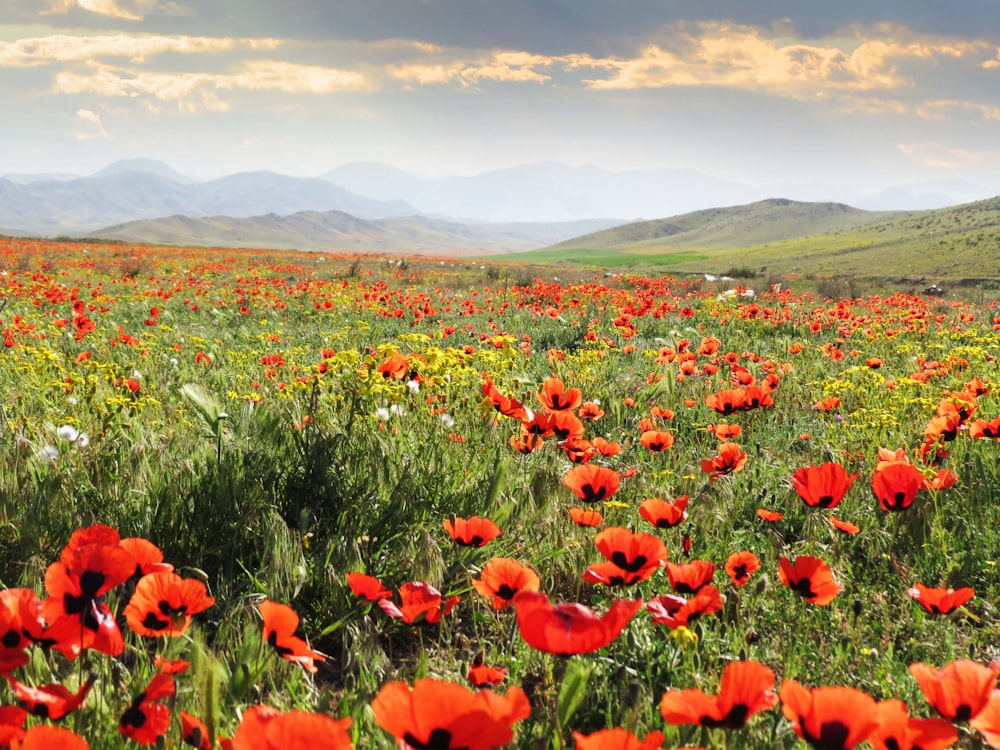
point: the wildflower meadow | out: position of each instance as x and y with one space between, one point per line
253 499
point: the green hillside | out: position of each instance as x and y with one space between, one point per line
791 237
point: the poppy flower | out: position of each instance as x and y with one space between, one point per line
633 557
746 688
565 425
663 514
52 702
656 440
899 731
771 516
985 429
482 676
554 396
266 728
592 483
171 666
12 721
148 557
540 425
958 691
810 578
570 628
578 450
419 602
501 579
586 517
845 526
280 624
690 577
829 718
617 738
471 532
164 603
393 367
147 720
439 715
740 566
591 411
987 721
194 732
730 460
940 601
896 485
724 431
526 443
822 486
367 587
676 611
509 407
726 401
607 448
942 480
44 737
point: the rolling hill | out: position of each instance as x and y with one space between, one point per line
784 236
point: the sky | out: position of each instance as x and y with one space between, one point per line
856 92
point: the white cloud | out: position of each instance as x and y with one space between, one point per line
61 48
501 65
931 154
195 91
90 126
111 8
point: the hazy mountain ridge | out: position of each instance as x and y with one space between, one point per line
337 230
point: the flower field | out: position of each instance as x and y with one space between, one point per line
278 500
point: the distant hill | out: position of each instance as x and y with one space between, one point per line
25 178
810 238
83 205
735 226
336 230
147 166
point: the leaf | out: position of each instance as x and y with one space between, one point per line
573 690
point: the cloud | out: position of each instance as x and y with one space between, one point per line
949 157
195 91
61 48
941 109
91 126
724 55
110 8
501 65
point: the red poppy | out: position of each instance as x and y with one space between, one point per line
898 731
525 443
148 557
280 624
987 721
942 480
368 587
51 702
617 738
483 676
810 578
896 485
829 718
12 721
266 728
690 577
509 407
844 526
771 516
676 611
606 447
591 411
393 367
726 401
663 514
565 425
419 602
656 440
471 532
592 483
540 425
586 517
740 566
746 688
578 450
164 603
570 628
439 715
940 601
555 397
45 737
632 557
170 666
147 720
988 429
731 459
725 431
194 732
958 691
501 579
822 486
